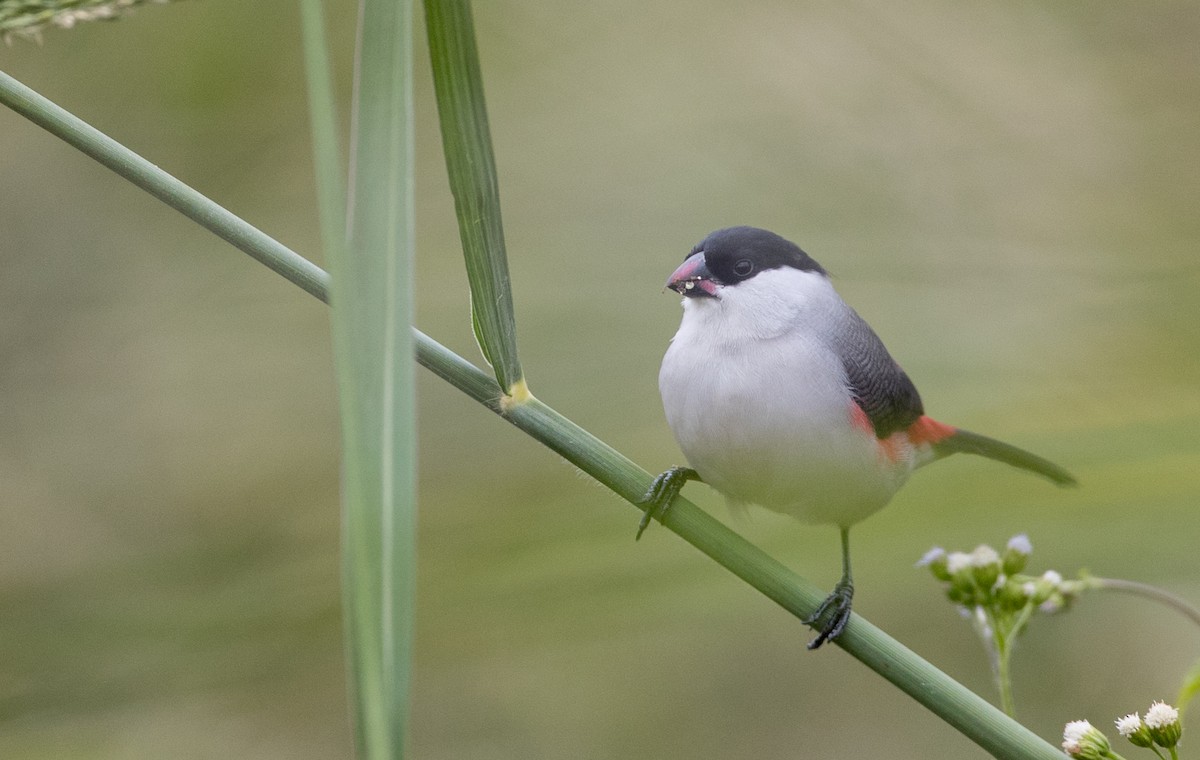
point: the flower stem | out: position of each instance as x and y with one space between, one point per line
1003 679
1005 637
1178 603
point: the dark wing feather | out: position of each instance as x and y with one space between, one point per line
879 385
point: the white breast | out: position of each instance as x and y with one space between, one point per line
760 405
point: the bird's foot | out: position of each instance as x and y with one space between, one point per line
831 617
662 493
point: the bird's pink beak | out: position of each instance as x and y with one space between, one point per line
692 278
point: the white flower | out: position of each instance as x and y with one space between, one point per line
1073 734
1029 588
1128 725
1020 543
931 556
1133 729
1075 730
1052 577
983 556
956 562
1162 725
1161 715
1081 739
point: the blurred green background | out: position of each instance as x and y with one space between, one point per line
1007 191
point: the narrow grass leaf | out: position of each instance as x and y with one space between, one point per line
471 165
373 351
327 153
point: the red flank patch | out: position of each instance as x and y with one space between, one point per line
929 430
859 419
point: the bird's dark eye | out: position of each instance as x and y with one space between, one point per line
743 267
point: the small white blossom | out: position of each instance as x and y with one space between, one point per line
983 556
1052 577
1073 735
931 556
1029 588
1020 543
1162 725
1161 715
1076 729
956 562
1051 605
1133 729
1128 725
1083 740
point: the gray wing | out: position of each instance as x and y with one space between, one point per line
880 387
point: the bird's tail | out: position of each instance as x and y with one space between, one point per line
966 442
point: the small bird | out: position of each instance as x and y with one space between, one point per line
780 395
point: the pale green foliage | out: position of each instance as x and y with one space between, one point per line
1191 686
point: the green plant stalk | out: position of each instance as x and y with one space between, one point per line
371 291
1004 639
1177 603
981 722
327 161
158 183
471 166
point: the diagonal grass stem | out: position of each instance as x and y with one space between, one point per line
981 722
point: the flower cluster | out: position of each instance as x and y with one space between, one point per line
995 581
993 591
1160 728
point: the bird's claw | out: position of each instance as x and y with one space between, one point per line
834 611
662 493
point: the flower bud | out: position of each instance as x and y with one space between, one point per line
962 582
957 563
1133 729
935 559
1016 553
1083 740
1052 604
1162 722
985 566
1012 595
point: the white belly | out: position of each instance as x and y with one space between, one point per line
775 427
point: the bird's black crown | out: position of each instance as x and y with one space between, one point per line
735 254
